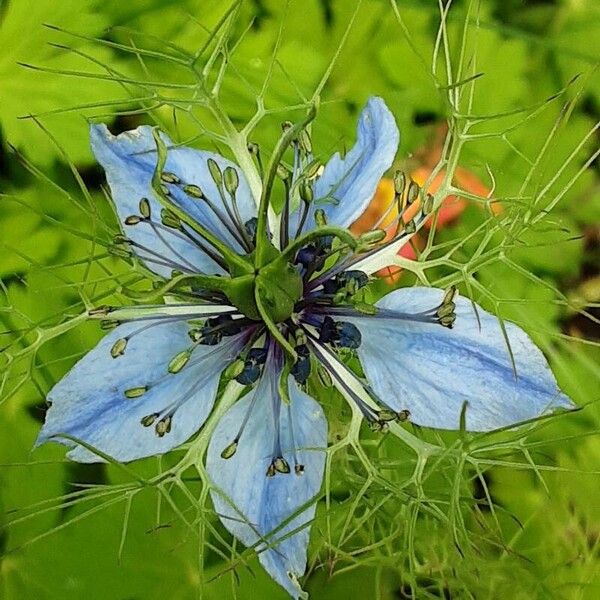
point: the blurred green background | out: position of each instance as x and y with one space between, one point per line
524 515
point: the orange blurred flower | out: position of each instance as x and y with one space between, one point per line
382 212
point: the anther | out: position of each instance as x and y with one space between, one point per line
120 251
133 220
235 369
399 182
250 226
170 219
179 361
135 392
194 191
271 470
299 469
145 208
253 148
108 324
371 237
100 310
169 177
324 376
301 368
305 141
387 415
229 450
313 170
341 333
118 348
306 192
320 216
148 420
379 426
413 192
231 180
215 171
286 126
410 227
281 465
428 204
163 426
446 311
283 172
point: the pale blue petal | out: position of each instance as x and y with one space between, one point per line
347 184
89 402
431 370
262 503
129 160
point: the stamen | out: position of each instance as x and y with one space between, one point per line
145 208
302 367
118 348
279 464
135 392
148 420
194 191
164 426
133 220
167 177
179 361
340 333
298 468
253 364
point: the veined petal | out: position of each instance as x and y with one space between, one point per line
252 505
432 370
347 184
90 403
129 160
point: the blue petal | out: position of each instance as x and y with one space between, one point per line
129 160
431 370
348 184
89 402
261 503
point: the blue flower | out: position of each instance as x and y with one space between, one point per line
264 304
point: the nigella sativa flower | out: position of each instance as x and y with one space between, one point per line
276 301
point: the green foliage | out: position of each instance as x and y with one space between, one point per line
416 514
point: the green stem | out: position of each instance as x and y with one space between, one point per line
282 146
208 282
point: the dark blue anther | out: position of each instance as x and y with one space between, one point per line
214 329
340 333
258 355
252 366
249 375
348 335
301 368
328 331
250 226
307 256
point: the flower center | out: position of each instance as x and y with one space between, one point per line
270 293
